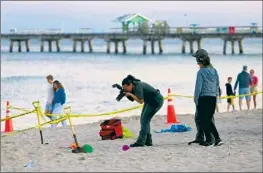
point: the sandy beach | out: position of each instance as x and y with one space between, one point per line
242 151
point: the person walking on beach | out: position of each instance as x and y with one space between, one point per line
230 92
199 138
153 101
58 101
253 87
206 92
50 95
243 80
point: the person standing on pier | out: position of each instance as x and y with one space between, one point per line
253 87
50 95
206 92
243 81
58 101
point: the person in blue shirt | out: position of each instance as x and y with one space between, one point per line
58 101
243 81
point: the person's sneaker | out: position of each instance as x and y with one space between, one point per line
136 145
218 142
195 142
206 143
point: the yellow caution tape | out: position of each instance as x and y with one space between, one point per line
19 115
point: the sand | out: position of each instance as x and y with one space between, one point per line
242 151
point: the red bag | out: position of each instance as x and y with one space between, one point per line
111 129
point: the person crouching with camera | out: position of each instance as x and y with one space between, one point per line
153 101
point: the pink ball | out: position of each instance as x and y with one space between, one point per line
125 147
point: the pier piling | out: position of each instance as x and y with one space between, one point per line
27 45
241 51
191 47
183 47
152 43
74 46
116 47
57 45
108 46
49 45
11 46
90 46
224 47
232 47
144 51
19 46
160 46
199 44
82 45
124 47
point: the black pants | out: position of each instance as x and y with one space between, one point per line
200 132
206 109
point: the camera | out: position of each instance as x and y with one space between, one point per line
122 93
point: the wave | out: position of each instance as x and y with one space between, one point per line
16 78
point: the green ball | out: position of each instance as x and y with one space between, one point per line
87 148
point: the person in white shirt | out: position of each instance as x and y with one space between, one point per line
50 95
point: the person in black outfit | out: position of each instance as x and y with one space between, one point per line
230 92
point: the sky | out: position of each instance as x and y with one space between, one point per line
99 15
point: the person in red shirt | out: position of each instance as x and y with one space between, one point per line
253 86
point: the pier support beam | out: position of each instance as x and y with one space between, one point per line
160 46
124 47
27 45
191 47
224 47
11 46
152 44
42 46
90 46
183 47
57 45
49 45
144 51
241 51
116 47
74 46
199 44
108 46
82 45
19 46
232 47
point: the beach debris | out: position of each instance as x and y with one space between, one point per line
84 149
176 128
30 164
73 146
125 147
87 148
127 133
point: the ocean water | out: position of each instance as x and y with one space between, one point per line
87 78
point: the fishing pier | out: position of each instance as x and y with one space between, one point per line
188 35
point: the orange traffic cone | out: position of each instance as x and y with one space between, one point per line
8 122
171 115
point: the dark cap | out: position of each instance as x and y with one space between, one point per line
200 53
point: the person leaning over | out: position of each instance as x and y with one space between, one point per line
142 92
